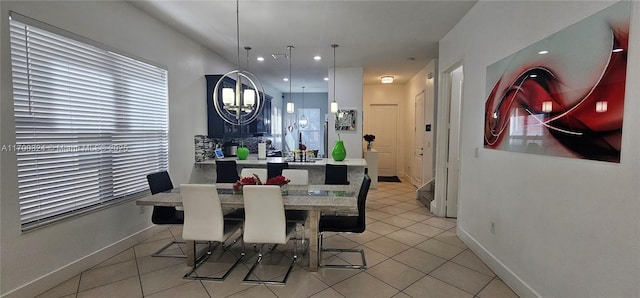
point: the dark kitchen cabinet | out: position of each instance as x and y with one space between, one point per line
218 128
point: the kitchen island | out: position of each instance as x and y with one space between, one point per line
205 171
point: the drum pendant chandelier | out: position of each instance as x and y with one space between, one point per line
242 104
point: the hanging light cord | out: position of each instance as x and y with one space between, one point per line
334 71
334 46
290 79
238 30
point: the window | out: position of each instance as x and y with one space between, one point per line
90 124
313 134
276 127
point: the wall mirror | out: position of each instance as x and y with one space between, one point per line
346 120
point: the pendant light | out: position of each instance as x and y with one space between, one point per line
243 103
303 122
334 103
290 106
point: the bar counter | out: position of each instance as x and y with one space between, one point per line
205 172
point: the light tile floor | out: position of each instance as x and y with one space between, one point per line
410 253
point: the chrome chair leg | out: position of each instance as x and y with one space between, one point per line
272 282
199 261
363 266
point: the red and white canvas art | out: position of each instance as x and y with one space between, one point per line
564 95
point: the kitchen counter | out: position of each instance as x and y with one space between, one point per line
205 172
319 162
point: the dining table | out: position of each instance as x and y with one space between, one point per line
315 199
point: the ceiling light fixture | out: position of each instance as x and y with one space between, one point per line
260 58
326 79
290 106
244 104
386 79
317 58
334 103
303 122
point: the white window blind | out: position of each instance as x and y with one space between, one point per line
90 124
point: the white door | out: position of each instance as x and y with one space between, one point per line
384 125
453 157
418 144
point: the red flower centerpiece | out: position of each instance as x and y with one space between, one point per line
281 181
255 180
278 180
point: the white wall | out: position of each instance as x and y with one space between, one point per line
418 83
349 90
389 94
27 257
564 227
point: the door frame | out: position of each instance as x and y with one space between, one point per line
443 138
418 129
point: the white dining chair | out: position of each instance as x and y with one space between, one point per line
249 172
204 221
297 177
265 224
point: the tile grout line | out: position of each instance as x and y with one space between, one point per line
135 257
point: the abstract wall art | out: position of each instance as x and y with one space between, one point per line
564 95
346 120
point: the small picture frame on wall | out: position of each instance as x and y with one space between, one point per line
346 120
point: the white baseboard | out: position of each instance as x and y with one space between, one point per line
72 269
519 286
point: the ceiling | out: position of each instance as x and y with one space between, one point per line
396 38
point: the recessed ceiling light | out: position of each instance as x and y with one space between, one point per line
285 79
326 79
260 58
317 58
543 52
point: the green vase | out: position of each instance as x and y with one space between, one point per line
339 153
242 153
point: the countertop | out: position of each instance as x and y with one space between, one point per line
318 162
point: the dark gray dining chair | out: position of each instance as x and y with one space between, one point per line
226 171
336 175
162 215
275 168
345 224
